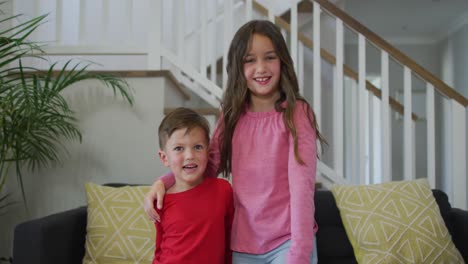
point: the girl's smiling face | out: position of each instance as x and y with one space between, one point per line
262 69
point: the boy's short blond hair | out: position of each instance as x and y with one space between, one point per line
178 119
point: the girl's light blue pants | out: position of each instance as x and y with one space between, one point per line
275 256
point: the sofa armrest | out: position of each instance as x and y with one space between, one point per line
58 238
460 227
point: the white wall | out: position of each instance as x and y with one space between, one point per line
461 68
454 65
119 145
460 44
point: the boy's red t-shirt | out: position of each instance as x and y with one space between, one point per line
196 225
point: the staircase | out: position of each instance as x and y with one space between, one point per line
374 136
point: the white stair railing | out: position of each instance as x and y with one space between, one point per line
454 177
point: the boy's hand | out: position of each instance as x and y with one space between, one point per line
156 193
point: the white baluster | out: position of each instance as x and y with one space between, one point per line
361 118
408 155
300 70
227 36
317 66
284 32
180 20
430 116
338 101
248 10
203 19
370 130
386 128
354 179
212 44
446 148
294 33
271 10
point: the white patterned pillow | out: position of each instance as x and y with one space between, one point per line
118 230
395 222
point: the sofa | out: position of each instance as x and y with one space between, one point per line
60 238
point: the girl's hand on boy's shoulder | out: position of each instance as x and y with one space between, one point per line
149 207
157 192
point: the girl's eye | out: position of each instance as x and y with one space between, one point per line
271 58
248 60
178 148
199 147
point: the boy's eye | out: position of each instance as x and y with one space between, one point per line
178 148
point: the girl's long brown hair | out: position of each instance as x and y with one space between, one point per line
236 94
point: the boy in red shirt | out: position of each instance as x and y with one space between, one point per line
197 214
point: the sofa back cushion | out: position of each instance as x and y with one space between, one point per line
395 222
118 230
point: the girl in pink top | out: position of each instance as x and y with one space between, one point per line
266 140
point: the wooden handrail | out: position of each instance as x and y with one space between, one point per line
394 104
394 52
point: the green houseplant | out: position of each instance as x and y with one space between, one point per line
34 116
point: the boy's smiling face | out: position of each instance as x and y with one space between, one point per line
186 153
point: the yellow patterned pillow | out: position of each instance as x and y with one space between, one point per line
118 230
395 222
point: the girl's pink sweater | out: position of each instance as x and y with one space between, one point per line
273 193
